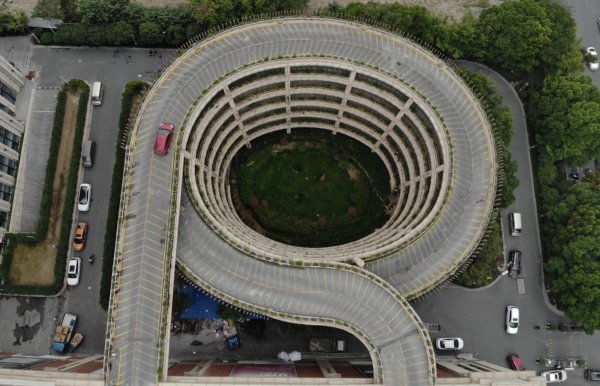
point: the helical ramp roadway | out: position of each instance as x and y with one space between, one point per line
377 87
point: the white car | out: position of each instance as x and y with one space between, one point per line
593 58
512 320
85 197
74 269
449 343
555 376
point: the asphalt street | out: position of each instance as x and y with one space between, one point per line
478 315
54 66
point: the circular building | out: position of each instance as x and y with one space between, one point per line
281 76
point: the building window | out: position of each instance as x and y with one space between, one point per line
3 218
5 192
9 138
8 93
7 165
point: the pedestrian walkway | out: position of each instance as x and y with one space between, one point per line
33 161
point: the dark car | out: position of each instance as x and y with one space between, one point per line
515 362
514 263
163 139
592 375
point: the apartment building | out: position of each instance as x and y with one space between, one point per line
11 133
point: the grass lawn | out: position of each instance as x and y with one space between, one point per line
33 264
311 191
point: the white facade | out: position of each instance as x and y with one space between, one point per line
11 133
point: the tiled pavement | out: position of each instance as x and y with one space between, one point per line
35 340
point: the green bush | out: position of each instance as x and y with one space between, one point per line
131 89
484 269
46 202
47 38
150 34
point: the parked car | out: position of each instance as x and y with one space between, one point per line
73 271
566 364
592 375
592 58
85 197
80 235
514 264
515 362
555 376
512 320
163 139
449 343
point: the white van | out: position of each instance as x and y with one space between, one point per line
97 93
514 224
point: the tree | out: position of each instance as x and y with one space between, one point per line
562 53
566 113
119 33
414 19
499 113
12 23
175 35
213 13
49 9
70 10
460 38
150 34
167 16
578 292
102 11
513 36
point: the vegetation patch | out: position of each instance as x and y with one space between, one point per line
35 263
485 268
311 188
130 103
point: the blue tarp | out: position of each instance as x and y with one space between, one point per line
205 306
201 305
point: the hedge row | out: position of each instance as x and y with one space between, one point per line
131 89
46 202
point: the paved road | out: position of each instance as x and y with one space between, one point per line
91 65
310 292
478 315
54 66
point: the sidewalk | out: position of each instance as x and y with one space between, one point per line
33 159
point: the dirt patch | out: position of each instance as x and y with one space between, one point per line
33 264
353 172
454 9
161 3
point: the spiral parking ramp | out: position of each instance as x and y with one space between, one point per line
383 90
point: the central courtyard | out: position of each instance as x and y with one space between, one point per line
311 188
